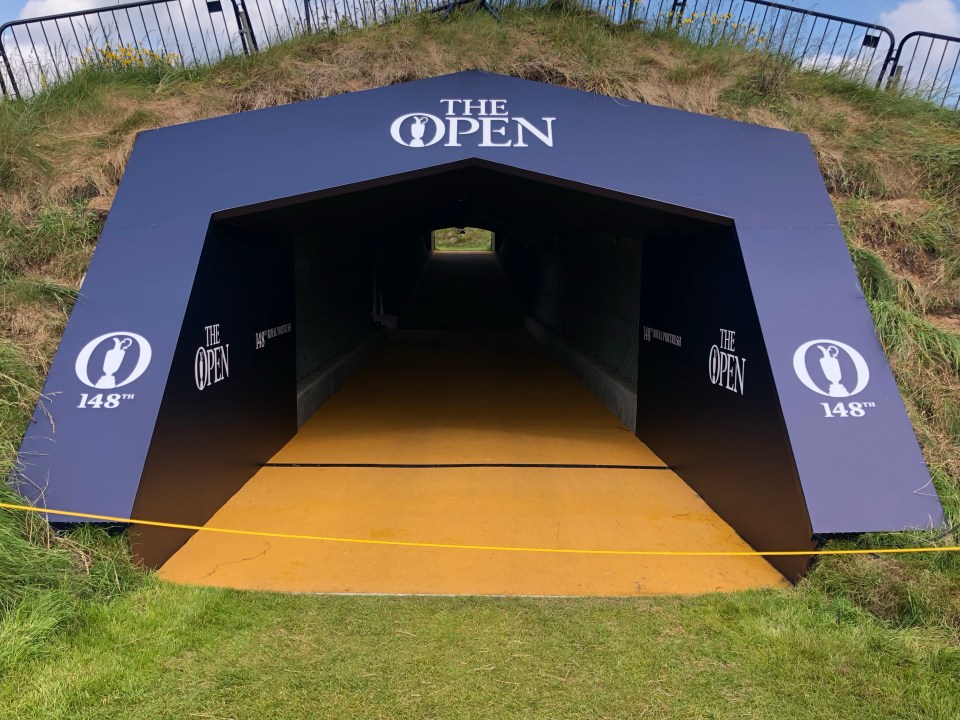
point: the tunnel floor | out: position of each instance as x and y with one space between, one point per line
496 402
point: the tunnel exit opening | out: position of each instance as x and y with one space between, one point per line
464 239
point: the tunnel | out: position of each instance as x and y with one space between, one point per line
662 377
454 376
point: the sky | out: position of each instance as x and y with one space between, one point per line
901 16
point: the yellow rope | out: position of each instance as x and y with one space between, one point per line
499 548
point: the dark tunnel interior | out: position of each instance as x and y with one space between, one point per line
565 258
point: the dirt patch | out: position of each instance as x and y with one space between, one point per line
947 321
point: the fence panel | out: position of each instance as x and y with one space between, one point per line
926 65
347 14
37 52
813 39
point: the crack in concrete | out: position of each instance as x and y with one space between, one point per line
234 562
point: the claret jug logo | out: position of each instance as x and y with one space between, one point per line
113 360
485 123
837 369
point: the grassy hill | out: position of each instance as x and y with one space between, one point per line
83 634
462 239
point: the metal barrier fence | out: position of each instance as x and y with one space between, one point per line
41 51
926 65
38 52
813 39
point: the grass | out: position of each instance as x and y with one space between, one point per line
64 236
85 634
462 239
46 580
213 653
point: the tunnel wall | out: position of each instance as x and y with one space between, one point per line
337 279
609 299
229 400
264 315
706 399
585 289
334 297
345 288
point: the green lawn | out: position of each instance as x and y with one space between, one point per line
166 651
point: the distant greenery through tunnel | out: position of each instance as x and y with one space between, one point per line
466 238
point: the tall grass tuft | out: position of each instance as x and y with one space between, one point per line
18 392
66 235
942 165
912 339
896 594
47 578
877 282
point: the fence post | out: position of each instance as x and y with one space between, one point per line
6 64
893 51
679 7
894 75
247 38
894 62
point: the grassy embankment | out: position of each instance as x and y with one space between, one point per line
462 239
83 634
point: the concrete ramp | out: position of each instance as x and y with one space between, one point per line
467 438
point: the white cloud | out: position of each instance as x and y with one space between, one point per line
38 8
937 16
927 66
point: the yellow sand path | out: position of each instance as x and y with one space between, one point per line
442 398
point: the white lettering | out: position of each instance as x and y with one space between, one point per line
545 137
488 120
724 368
455 132
488 130
260 338
727 339
650 333
480 105
211 364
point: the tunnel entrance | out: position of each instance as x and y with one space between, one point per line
667 293
454 422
